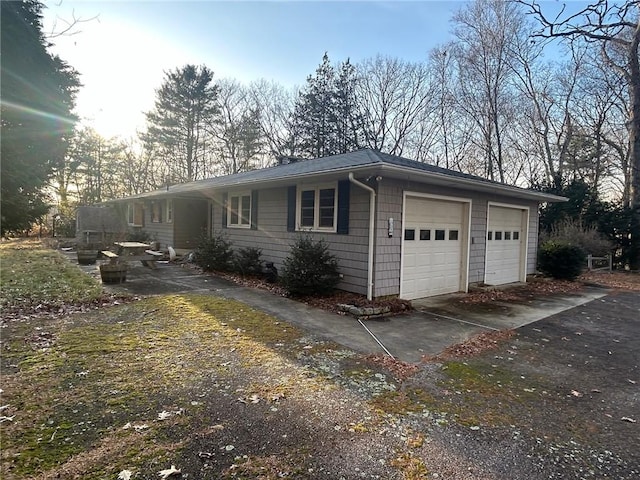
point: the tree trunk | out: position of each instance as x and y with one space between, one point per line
634 149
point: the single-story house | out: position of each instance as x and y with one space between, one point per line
396 226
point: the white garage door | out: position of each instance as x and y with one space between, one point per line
432 247
506 240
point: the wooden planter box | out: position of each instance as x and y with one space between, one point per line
113 272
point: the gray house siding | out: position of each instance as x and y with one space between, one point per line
272 237
388 250
532 251
386 278
159 232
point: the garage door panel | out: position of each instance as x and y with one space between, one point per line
505 245
431 262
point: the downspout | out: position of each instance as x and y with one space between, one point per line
372 219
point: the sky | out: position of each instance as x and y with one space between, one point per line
124 47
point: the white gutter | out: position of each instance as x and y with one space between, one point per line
372 223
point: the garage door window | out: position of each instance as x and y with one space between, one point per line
489 235
409 234
439 234
498 235
516 235
507 235
425 234
453 234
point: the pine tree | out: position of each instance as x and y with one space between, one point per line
38 94
185 103
314 113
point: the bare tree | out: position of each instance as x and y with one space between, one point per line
392 95
274 104
614 29
235 133
485 32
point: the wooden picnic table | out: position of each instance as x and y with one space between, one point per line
134 251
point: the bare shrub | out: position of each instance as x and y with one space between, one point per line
574 232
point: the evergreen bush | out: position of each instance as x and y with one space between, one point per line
247 261
214 253
561 260
310 269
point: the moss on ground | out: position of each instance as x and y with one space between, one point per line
127 364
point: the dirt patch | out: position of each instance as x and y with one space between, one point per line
620 280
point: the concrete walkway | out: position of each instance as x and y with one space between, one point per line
433 326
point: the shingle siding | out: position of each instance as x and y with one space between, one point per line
273 238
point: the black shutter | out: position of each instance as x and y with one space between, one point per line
224 209
254 209
291 209
344 194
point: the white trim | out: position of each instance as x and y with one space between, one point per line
466 253
168 219
525 231
239 195
316 187
132 206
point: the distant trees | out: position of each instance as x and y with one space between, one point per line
36 119
235 129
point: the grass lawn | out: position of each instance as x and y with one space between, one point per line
32 275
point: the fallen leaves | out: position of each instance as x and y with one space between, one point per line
622 280
399 369
475 345
536 288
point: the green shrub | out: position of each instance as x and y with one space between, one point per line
214 253
561 260
310 269
247 261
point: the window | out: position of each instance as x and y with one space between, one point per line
169 211
516 235
425 234
409 234
239 211
317 208
498 235
135 214
453 234
507 235
156 212
489 235
439 234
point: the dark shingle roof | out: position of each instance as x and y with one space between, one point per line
357 160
